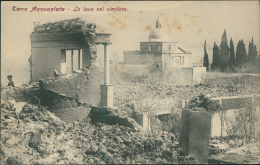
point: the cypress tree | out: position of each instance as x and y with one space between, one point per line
206 58
232 58
241 57
252 52
216 61
224 52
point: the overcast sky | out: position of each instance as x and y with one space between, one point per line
188 23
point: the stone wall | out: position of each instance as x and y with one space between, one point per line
167 75
49 39
142 74
233 107
199 74
243 80
142 58
46 52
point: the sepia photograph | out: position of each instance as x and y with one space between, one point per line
130 82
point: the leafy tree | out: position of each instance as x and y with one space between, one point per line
216 60
224 52
206 58
241 57
232 58
252 52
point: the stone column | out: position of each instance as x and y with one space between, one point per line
71 59
106 66
107 90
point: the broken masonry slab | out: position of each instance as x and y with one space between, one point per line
70 115
195 133
104 110
83 87
109 116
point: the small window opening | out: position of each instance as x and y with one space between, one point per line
71 60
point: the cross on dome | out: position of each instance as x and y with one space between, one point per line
158 34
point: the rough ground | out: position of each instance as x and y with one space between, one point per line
236 154
127 93
35 136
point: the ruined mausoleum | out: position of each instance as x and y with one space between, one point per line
64 46
63 61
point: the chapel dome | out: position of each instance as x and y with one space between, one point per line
158 34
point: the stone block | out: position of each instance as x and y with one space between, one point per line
195 134
107 93
109 116
143 120
216 125
83 86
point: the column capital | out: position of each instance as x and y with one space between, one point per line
103 43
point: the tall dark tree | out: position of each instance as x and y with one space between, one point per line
241 57
258 61
216 61
206 58
252 52
224 52
232 57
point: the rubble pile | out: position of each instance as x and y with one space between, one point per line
24 93
27 132
248 154
30 134
217 146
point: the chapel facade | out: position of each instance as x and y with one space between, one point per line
159 51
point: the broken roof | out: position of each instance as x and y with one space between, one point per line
68 25
75 25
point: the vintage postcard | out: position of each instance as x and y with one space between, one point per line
158 82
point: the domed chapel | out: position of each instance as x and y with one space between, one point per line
159 51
